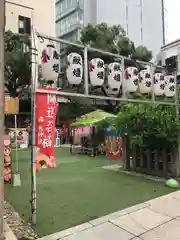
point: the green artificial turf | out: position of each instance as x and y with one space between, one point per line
78 190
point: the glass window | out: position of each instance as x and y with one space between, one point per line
74 3
58 9
80 15
71 20
63 6
58 29
24 25
80 2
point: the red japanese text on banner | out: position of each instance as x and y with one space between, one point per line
46 109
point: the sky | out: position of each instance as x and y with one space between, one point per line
172 26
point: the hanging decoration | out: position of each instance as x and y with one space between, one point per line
50 64
7 159
170 86
159 84
97 72
46 109
145 81
131 79
74 68
114 77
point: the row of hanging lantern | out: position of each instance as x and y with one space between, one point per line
133 79
163 85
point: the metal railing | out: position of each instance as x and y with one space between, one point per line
122 59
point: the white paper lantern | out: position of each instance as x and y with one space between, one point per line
96 72
114 76
131 79
50 63
159 84
145 81
110 91
74 68
170 86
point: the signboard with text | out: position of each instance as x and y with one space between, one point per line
11 105
46 109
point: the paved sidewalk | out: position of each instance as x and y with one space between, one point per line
157 219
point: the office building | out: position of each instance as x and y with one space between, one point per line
143 20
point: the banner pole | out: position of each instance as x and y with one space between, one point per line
16 139
34 80
16 174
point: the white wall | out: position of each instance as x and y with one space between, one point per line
42 12
172 18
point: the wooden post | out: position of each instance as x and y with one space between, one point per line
126 152
149 159
156 160
165 161
175 163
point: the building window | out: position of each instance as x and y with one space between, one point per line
24 25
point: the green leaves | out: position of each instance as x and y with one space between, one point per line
112 39
148 124
17 63
142 53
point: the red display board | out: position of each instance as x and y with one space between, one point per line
114 147
46 109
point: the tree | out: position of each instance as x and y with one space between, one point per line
143 54
149 125
113 39
17 63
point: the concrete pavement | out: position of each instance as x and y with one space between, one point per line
157 219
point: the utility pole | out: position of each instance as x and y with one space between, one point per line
163 23
2 30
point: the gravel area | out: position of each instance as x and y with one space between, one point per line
20 228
